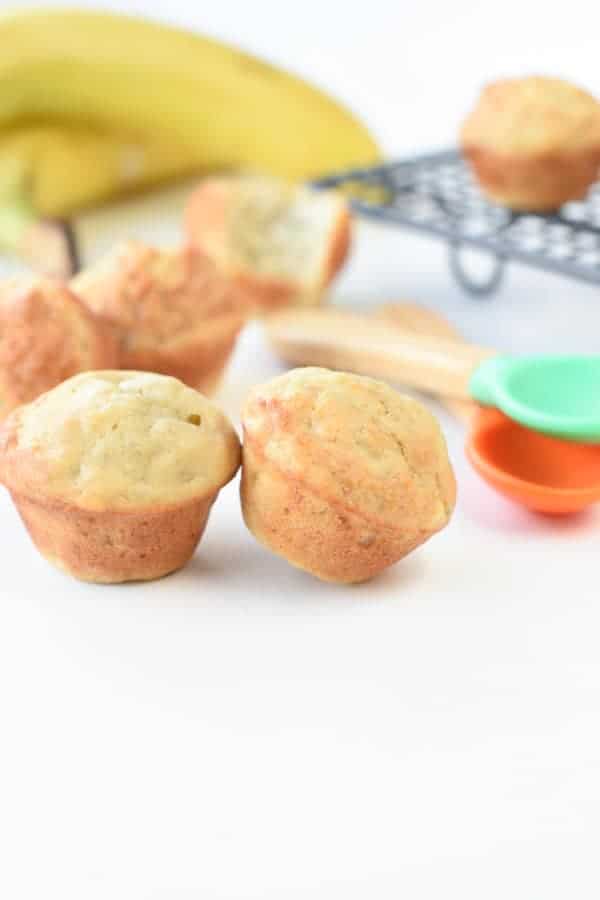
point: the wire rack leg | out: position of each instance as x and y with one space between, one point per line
478 287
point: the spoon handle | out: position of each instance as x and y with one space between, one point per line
360 343
418 319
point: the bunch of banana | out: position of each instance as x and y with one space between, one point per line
95 105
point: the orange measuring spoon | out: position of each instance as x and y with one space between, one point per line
543 473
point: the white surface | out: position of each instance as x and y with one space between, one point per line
240 730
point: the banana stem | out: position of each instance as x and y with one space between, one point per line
48 246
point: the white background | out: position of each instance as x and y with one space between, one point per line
240 731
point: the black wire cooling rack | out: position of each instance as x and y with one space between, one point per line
437 195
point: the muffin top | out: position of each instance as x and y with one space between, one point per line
46 335
156 297
118 441
533 115
356 441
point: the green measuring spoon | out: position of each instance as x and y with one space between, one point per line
557 395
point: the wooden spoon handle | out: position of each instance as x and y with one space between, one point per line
419 319
360 343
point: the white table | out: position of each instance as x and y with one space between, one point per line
240 731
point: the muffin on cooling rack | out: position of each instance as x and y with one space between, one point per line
533 143
114 473
282 244
171 311
341 475
46 335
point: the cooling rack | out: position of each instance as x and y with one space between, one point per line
436 194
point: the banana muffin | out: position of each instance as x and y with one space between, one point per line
171 311
341 475
46 335
114 473
282 244
533 143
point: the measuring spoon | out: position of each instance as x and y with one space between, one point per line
543 473
557 395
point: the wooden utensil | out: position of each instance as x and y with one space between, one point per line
368 346
416 319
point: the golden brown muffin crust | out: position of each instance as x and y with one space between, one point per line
540 184
158 296
316 533
114 473
111 547
118 441
354 440
341 475
533 143
46 336
172 312
535 115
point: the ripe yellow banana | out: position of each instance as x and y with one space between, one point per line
94 104
61 169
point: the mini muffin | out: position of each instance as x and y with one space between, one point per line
282 244
341 475
46 335
533 143
171 311
114 473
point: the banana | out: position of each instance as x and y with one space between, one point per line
93 105
64 169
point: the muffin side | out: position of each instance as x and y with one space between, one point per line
171 311
534 185
46 335
313 532
113 547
